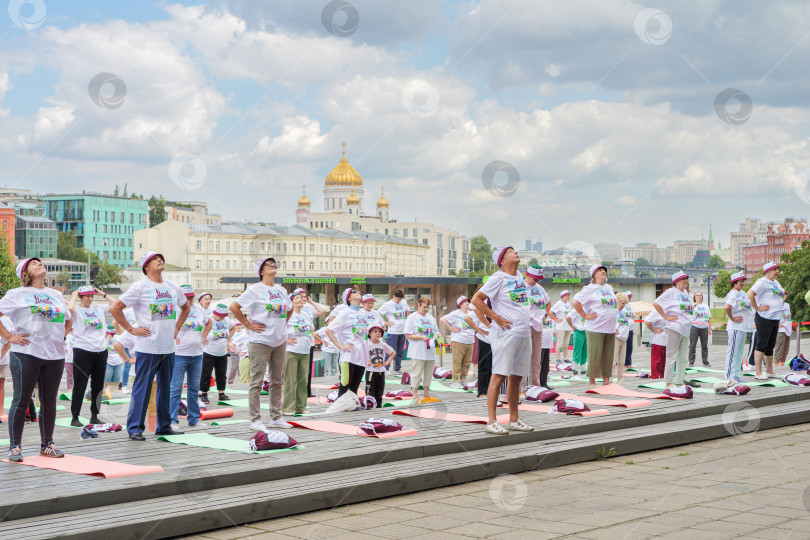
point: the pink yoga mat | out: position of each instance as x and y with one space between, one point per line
345 429
608 402
433 414
211 414
87 465
532 407
614 389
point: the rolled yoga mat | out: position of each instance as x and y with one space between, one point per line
87 465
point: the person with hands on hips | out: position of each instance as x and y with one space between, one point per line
740 323
507 292
767 298
676 307
347 331
37 353
160 309
269 306
596 303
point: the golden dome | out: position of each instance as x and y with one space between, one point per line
304 200
343 174
382 202
353 199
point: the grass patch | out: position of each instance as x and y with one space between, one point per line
683 454
628 462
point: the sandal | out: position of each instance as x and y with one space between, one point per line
519 425
496 429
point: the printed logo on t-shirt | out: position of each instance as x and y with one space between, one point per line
91 318
162 306
517 291
608 298
778 291
685 304
547 323
46 307
536 298
359 325
399 313
425 328
276 304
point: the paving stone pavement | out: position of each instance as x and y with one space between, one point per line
756 486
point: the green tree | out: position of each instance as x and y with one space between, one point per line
67 248
107 274
608 263
641 261
716 261
115 191
8 275
480 252
723 284
534 262
794 275
125 190
63 278
157 210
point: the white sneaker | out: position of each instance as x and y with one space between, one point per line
125 390
496 429
576 377
520 425
772 375
198 425
257 426
761 377
175 427
455 385
279 423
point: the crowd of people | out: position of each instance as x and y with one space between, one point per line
173 338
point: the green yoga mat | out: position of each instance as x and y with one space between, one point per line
65 397
398 403
228 422
65 422
232 391
5 442
206 440
712 380
662 386
234 402
701 369
118 401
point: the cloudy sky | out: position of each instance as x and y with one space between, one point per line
578 121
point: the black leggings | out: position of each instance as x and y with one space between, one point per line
484 367
766 334
27 372
217 364
87 365
375 386
544 366
355 378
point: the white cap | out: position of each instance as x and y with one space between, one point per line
86 290
768 266
566 291
461 300
367 298
737 276
23 264
596 267
677 276
148 256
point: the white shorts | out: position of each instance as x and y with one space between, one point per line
511 355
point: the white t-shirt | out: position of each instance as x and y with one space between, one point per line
474 316
112 355
5 321
374 316
68 348
424 325
548 334
701 316
90 327
395 312
240 341
129 315
740 307
510 299
601 300
40 313
126 340
768 292
376 353
351 326
217 339
456 320
657 322
300 328
190 334
336 311
155 306
786 323
678 303
537 300
561 310
328 346
269 306
623 324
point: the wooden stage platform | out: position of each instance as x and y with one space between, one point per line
202 489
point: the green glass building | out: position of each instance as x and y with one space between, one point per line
104 224
35 236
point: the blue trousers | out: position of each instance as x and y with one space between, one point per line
191 365
628 355
147 367
397 342
125 375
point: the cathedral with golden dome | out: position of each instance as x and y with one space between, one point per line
343 192
343 196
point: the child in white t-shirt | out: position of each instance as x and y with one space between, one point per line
375 351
